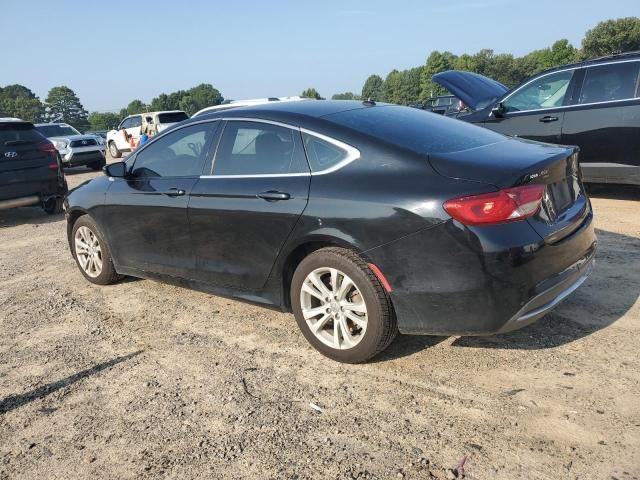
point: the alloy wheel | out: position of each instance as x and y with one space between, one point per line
333 308
88 251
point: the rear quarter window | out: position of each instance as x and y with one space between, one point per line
415 129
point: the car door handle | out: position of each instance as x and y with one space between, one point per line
549 119
175 192
273 196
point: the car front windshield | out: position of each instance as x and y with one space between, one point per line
57 130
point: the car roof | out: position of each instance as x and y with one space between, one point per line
594 61
227 105
10 119
292 110
52 123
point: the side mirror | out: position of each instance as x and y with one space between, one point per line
118 169
498 110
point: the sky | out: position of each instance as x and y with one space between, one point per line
112 52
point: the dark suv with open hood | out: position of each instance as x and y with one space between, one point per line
593 104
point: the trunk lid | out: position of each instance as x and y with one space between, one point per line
472 88
513 163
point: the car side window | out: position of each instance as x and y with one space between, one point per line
180 153
126 123
322 154
135 122
257 148
545 92
618 81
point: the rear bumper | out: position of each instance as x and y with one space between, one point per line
454 280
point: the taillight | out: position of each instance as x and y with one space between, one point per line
508 205
53 166
48 147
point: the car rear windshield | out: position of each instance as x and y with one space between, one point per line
174 117
416 130
57 130
19 133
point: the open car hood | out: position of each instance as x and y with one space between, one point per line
471 88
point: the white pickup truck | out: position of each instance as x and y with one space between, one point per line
126 136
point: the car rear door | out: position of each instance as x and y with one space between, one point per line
28 162
536 110
242 213
604 121
145 213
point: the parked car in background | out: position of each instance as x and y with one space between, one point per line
362 219
30 168
128 132
442 104
247 103
98 133
594 104
75 149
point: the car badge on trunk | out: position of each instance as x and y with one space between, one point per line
84 142
11 154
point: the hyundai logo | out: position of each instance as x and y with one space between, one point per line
11 154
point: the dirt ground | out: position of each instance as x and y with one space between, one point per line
146 380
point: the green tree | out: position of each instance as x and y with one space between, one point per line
373 88
20 102
202 96
403 87
311 93
622 34
436 62
135 107
62 104
104 120
345 96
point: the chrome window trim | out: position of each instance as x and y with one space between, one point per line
352 152
567 70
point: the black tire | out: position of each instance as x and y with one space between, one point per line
53 206
113 150
381 327
97 165
108 274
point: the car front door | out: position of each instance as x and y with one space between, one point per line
604 122
242 213
145 213
535 111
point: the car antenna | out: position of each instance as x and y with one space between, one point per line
369 102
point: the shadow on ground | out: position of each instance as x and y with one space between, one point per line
26 215
613 192
15 401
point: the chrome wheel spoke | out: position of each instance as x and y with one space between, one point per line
88 251
333 308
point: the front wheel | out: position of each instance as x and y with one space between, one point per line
341 307
113 150
97 165
53 206
92 253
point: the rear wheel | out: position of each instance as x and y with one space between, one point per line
341 307
92 253
53 206
113 150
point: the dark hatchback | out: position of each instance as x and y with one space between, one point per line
362 219
30 168
593 104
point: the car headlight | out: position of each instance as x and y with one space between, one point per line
61 144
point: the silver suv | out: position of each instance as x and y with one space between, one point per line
74 148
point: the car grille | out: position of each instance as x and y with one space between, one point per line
83 143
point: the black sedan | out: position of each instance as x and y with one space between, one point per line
362 219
